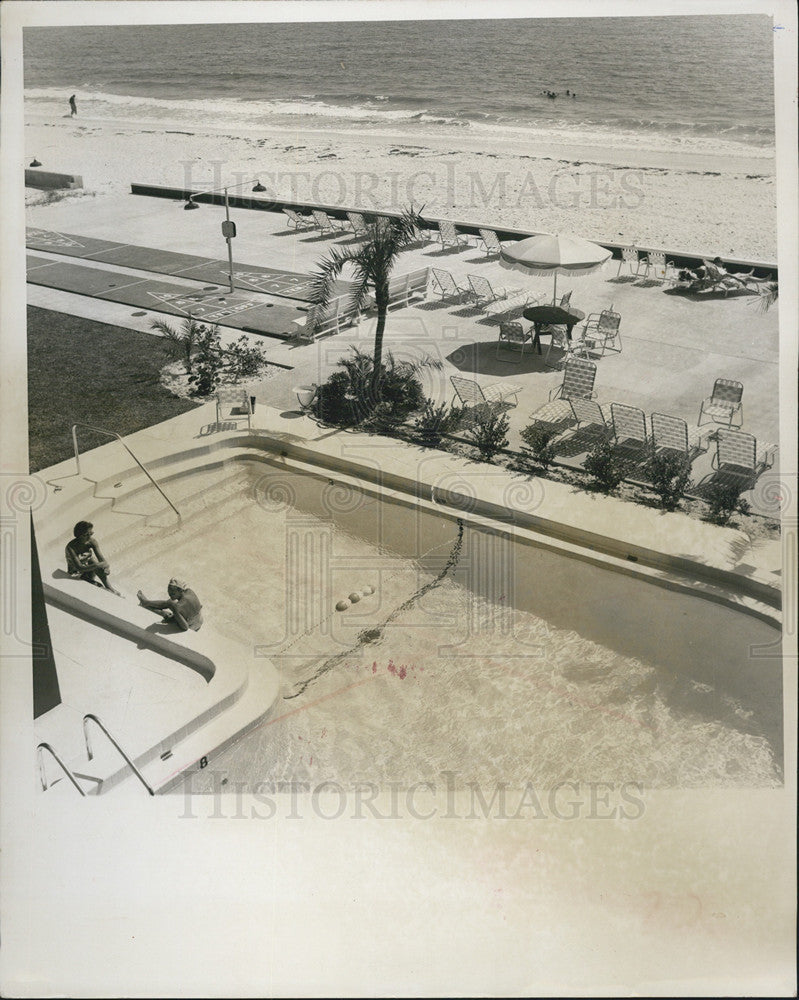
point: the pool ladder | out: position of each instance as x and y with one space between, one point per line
102 430
89 717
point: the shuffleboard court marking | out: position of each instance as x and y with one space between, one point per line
286 284
240 311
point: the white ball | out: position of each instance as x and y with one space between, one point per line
368 589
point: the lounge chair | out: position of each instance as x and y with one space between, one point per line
629 256
738 455
298 221
233 403
358 224
723 406
449 235
325 224
657 268
601 331
629 425
512 333
470 393
588 413
447 287
672 434
495 300
491 242
578 380
714 279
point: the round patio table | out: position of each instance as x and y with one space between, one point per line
541 316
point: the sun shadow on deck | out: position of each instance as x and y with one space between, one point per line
481 359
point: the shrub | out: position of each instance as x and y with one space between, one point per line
606 464
207 363
538 439
489 433
243 360
436 421
724 499
348 396
670 473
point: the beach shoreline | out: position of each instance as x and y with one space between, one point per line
678 200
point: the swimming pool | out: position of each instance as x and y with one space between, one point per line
481 652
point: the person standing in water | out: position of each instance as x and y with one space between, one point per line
73 107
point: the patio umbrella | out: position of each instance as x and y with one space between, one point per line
554 254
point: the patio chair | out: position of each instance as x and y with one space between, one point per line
447 287
657 268
559 337
723 406
629 256
470 393
495 300
233 403
601 331
565 300
588 413
298 221
358 224
325 224
449 235
512 333
738 455
672 434
629 425
491 242
578 380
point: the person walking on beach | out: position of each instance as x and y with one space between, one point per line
85 561
73 107
183 607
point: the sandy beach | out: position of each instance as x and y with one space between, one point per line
697 200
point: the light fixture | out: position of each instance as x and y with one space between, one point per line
259 186
190 204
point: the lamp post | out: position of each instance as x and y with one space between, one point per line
228 226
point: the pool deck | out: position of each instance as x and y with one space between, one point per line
674 345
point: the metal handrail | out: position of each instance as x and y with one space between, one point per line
90 717
43 777
102 430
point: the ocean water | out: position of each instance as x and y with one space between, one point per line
701 82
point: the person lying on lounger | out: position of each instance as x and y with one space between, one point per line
181 609
85 561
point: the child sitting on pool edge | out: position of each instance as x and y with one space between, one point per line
182 609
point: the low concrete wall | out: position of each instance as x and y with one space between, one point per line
266 204
50 181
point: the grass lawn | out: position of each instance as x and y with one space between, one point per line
82 371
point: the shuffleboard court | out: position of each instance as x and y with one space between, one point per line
249 276
239 310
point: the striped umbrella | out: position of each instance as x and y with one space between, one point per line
554 254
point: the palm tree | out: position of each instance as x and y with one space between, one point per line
371 262
182 343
